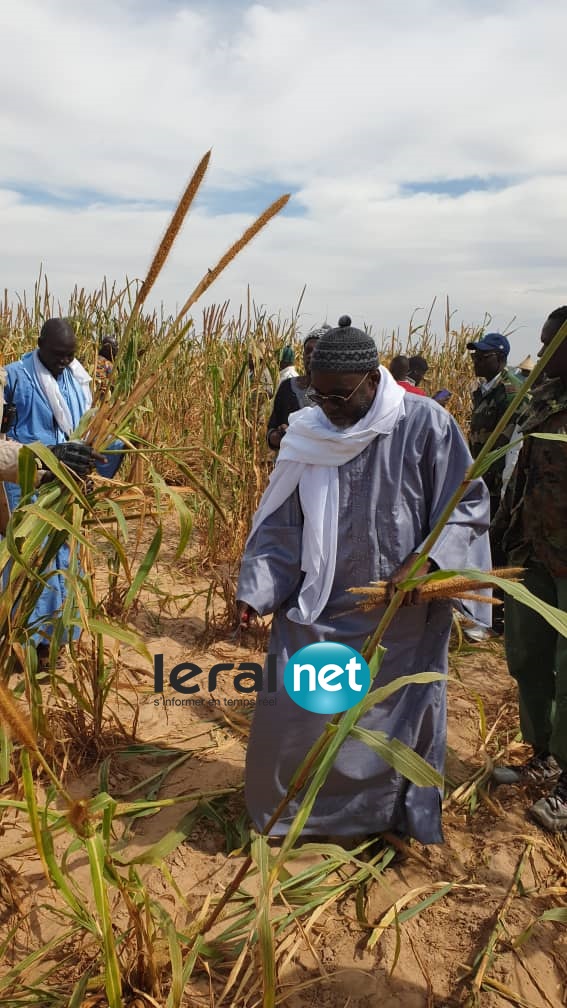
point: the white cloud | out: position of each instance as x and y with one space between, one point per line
345 102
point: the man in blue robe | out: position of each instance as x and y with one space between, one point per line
48 391
359 484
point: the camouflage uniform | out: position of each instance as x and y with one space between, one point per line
532 521
487 411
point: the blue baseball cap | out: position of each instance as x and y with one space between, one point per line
492 341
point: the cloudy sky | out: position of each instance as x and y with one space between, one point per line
424 145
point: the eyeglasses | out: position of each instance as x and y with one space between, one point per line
339 400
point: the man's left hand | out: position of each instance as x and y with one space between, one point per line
402 573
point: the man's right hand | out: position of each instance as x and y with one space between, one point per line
77 456
402 573
244 615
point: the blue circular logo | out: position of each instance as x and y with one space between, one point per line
326 678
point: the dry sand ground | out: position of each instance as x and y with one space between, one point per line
425 963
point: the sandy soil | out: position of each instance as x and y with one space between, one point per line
427 961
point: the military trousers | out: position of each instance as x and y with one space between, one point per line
537 660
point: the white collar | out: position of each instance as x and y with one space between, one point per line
486 387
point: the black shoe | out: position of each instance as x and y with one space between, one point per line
541 769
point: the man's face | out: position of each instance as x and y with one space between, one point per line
487 363
360 391
557 366
57 350
108 349
307 355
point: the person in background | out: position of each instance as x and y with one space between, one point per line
292 393
360 481
524 369
49 391
400 370
261 384
496 389
287 362
105 363
418 368
532 526
76 455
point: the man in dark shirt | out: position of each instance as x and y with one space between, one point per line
400 370
532 521
418 368
105 363
291 394
496 389
491 399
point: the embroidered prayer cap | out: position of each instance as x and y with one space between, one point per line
345 349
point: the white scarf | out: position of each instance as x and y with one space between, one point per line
50 389
310 454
